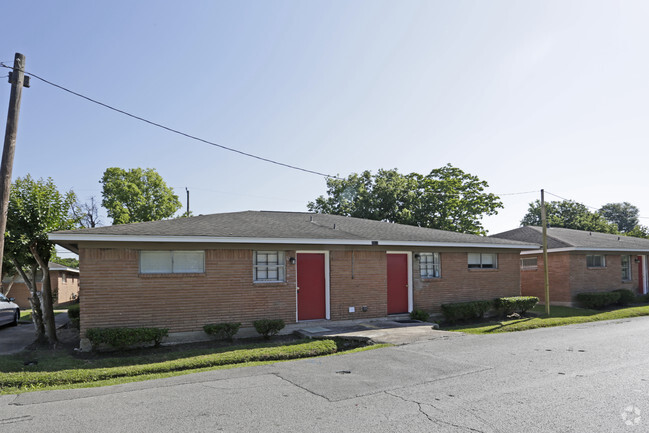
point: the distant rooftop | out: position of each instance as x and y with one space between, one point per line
560 238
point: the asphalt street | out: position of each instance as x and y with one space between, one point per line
581 378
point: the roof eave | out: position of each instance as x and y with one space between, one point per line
69 239
611 250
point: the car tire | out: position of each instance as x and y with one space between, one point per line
16 318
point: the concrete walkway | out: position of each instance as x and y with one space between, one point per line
377 331
14 339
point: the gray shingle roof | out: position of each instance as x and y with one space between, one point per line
283 226
576 239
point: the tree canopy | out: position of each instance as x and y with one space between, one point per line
623 215
137 195
36 207
447 199
568 214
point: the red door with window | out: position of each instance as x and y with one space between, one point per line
311 302
397 283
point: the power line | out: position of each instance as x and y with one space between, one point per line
175 131
590 207
519 193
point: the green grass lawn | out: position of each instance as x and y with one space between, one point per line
27 314
559 316
60 369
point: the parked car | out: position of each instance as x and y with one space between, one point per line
9 312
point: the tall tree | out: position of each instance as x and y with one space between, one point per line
568 214
624 215
88 214
36 207
137 195
447 198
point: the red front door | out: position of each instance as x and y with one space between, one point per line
397 283
311 303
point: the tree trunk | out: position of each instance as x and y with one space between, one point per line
34 300
8 288
48 305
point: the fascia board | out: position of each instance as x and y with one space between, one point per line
61 237
611 250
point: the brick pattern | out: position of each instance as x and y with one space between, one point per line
458 283
569 276
113 293
362 285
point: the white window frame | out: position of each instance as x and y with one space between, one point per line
172 270
593 266
279 267
626 270
430 266
482 265
528 267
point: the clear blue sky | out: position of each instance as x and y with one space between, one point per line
525 95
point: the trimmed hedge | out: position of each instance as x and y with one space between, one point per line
268 327
626 297
419 315
222 331
597 300
515 304
465 310
74 312
642 299
121 338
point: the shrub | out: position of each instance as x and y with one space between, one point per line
73 311
597 300
74 315
515 304
642 299
121 338
419 315
465 310
222 331
626 297
268 327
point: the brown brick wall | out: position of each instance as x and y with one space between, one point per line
368 287
458 283
569 275
113 293
533 280
64 291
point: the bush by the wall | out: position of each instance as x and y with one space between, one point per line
465 310
222 331
419 315
597 300
268 327
642 299
74 315
121 338
626 297
515 304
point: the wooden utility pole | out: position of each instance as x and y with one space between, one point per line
187 201
18 80
544 221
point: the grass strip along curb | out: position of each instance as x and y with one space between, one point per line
579 316
40 379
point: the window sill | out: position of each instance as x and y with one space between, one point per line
529 269
172 275
430 279
596 268
483 269
268 283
